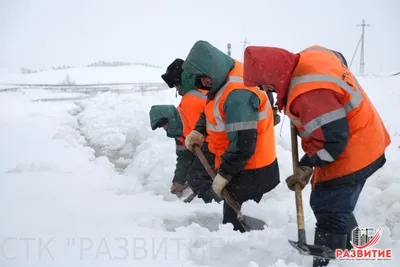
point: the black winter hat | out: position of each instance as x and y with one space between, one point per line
173 74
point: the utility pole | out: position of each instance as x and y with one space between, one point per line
362 60
244 47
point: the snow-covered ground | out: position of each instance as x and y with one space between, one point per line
88 75
86 183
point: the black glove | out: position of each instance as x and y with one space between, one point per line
212 195
277 118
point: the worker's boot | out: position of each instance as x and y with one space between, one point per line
330 240
351 225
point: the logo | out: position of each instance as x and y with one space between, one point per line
363 241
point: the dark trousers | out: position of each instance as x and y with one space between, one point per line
334 206
333 203
198 178
249 185
230 215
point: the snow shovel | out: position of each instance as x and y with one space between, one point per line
248 223
301 245
190 198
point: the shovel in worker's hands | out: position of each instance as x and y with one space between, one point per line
248 223
301 245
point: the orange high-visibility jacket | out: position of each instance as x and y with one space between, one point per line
217 130
320 68
191 106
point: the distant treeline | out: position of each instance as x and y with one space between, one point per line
120 63
28 71
95 64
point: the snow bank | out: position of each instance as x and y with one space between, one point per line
278 206
91 177
89 75
62 200
119 126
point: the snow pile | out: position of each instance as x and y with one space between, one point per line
89 75
120 128
61 199
91 179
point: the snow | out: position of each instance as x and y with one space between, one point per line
86 183
88 75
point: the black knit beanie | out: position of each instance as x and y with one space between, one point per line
172 76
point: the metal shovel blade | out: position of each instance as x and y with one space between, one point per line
251 223
190 198
313 250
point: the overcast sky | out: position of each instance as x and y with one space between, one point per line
43 33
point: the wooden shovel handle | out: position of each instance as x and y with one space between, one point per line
295 152
205 163
234 205
298 195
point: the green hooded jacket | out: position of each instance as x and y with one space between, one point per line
205 59
241 105
167 113
170 114
188 82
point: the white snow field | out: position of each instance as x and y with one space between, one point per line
86 183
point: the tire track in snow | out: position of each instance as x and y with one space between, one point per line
113 156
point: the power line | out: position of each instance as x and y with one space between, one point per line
244 47
355 52
362 59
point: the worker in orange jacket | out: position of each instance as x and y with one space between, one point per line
343 136
238 122
178 123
